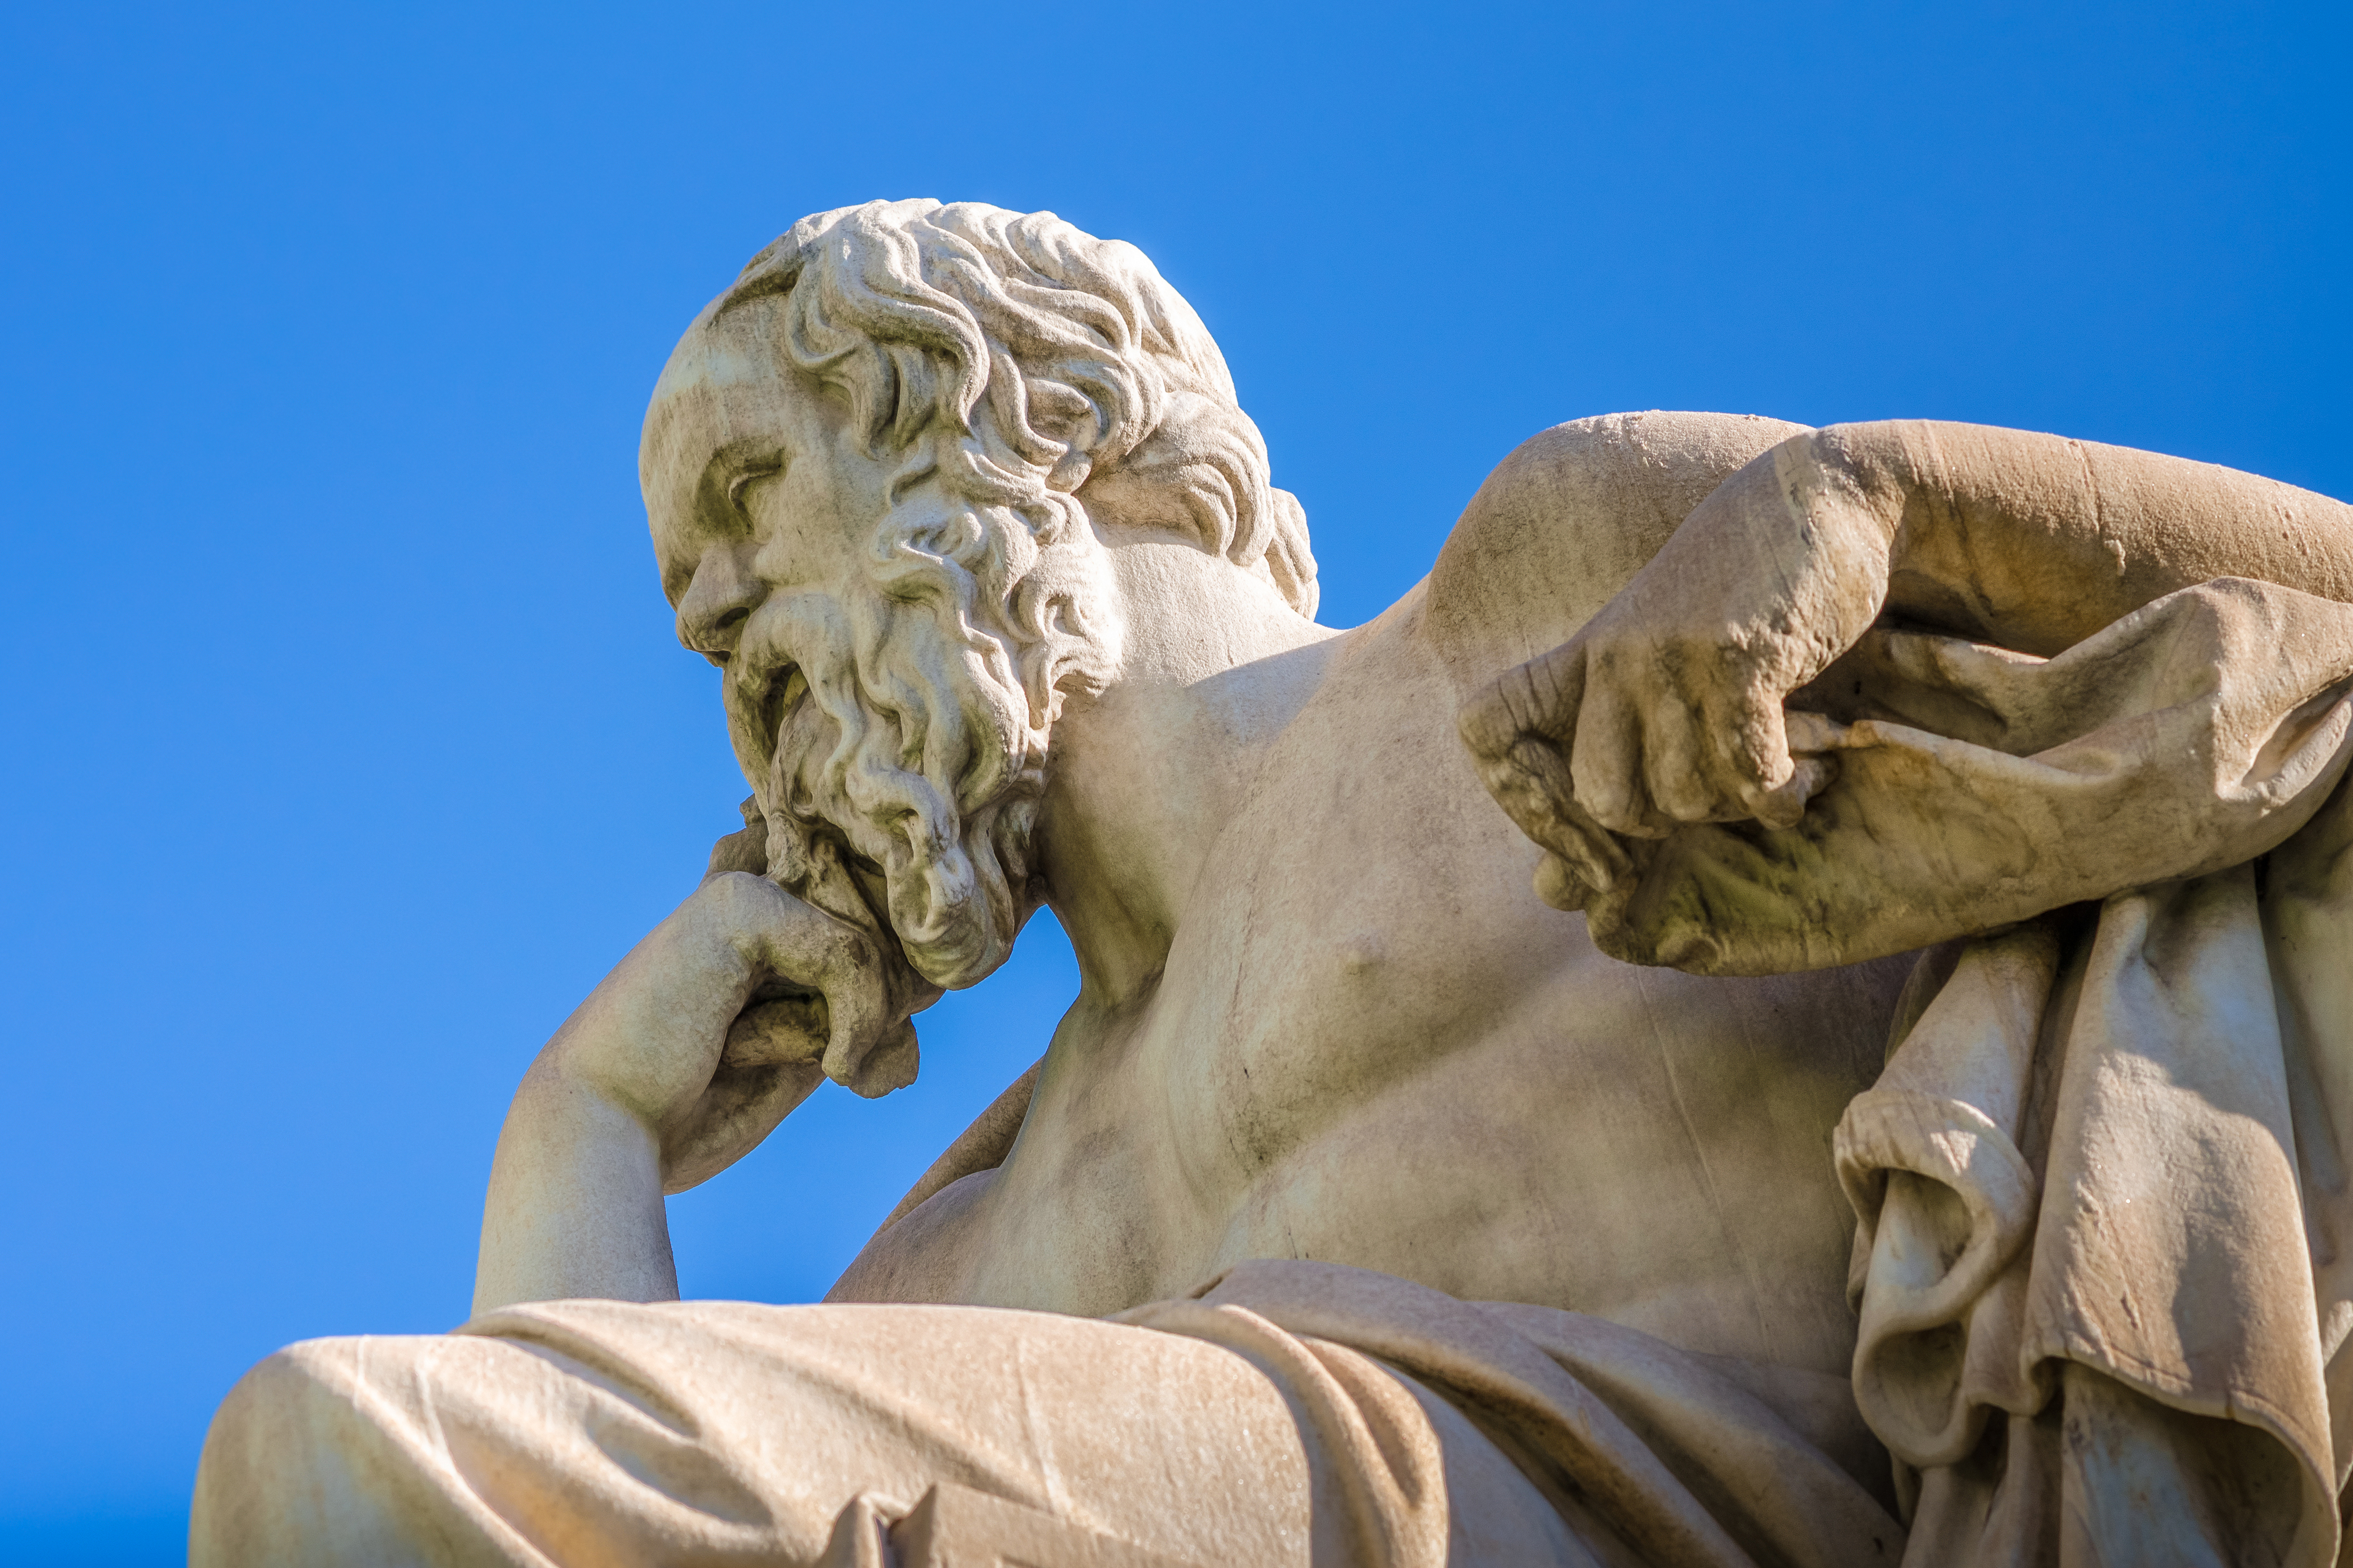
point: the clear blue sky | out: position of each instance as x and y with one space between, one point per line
342 742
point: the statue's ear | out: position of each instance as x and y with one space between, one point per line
742 851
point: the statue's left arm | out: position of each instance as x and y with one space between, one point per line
1667 707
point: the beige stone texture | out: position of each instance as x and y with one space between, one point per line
1871 1093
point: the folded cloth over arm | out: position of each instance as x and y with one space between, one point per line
1977 787
2100 1256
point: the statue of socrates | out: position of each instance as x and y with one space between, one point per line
1791 1003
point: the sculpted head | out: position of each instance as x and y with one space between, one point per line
881 470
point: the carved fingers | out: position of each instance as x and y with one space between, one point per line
718 1023
1665 710
1510 729
818 974
1623 733
1677 729
819 994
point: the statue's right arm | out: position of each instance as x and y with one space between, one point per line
680 1062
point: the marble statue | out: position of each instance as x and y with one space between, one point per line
1789 1004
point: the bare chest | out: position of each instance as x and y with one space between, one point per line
1406 1062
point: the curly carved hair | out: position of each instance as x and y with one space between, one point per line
1024 358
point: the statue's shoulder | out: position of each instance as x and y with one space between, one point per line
1565 521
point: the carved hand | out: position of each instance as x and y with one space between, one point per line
684 1057
711 1030
1666 707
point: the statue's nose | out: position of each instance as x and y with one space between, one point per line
717 602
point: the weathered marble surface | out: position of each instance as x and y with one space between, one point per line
1462 1185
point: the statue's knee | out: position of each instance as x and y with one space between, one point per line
261 1478
273 1406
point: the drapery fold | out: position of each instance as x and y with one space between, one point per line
2137 1069
1652 1455
1287 1412
2102 1204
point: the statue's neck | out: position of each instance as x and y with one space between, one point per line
1144 776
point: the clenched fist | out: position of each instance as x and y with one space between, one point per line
1666 708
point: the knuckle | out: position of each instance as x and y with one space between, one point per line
1553 678
1485 722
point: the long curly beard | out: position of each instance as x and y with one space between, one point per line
899 768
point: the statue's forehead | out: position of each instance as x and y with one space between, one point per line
725 383
725 358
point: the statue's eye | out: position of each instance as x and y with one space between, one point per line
735 486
